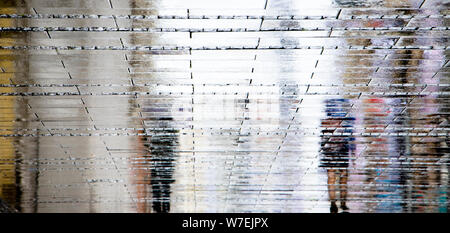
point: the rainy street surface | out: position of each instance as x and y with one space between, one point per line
278 106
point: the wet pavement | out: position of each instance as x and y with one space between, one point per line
224 106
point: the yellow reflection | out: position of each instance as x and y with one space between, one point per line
7 154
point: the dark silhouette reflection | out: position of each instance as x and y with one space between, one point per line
161 147
156 171
336 150
159 159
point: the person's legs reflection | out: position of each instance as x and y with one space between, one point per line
343 188
332 190
340 175
336 149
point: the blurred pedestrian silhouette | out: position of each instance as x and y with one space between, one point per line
336 149
159 164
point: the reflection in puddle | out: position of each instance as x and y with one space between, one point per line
138 106
337 150
161 156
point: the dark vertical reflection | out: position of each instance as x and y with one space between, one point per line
426 149
154 175
161 148
402 144
26 148
7 154
157 164
12 155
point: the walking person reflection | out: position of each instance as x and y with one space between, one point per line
154 174
336 149
163 158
